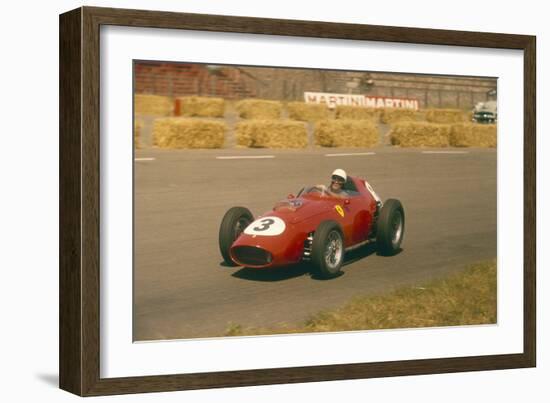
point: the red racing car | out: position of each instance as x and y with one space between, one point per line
315 226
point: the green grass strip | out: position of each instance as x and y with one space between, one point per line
465 298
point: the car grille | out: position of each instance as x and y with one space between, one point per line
250 255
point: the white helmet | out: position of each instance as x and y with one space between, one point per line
340 173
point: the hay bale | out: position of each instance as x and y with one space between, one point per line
445 115
153 105
358 113
200 106
307 112
473 135
394 115
271 133
138 127
258 109
346 133
420 134
188 133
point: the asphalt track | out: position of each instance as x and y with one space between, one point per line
183 290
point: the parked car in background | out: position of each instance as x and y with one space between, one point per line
485 112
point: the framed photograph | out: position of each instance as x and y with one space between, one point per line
248 201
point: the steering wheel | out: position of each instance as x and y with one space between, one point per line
320 189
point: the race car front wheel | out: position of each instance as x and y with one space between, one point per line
390 227
233 224
327 250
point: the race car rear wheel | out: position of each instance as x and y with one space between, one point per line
233 224
390 227
327 250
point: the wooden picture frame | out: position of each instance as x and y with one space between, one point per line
80 199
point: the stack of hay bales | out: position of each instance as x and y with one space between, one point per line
473 135
188 133
346 133
258 109
153 105
200 106
394 115
271 133
420 134
445 115
307 112
357 112
138 126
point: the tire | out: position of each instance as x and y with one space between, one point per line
327 250
233 223
390 228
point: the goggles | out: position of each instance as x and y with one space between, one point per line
338 179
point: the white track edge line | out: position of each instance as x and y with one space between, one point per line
445 152
237 157
348 154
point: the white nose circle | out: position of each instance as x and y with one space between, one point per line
266 226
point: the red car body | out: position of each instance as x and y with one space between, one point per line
283 235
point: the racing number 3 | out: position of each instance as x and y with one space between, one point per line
266 223
266 226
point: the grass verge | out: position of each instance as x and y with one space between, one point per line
465 298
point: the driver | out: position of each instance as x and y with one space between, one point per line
337 180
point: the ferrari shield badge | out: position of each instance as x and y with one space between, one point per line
339 210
